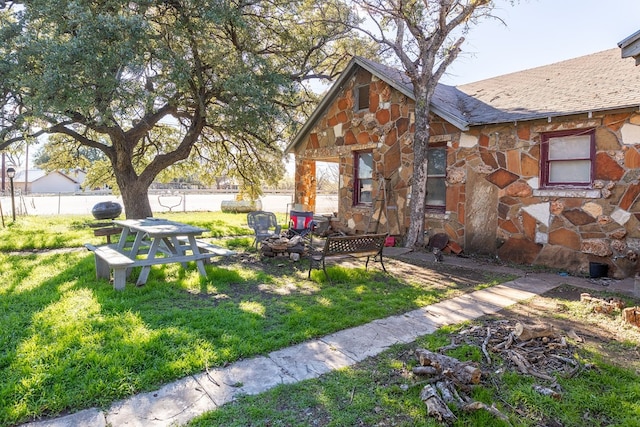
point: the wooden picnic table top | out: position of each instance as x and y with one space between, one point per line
157 227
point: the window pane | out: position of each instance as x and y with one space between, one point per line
573 171
436 191
365 165
437 161
366 185
363 97
570 147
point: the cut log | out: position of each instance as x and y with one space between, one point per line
465 372
528 332
631 315
425 370
435 406
601 305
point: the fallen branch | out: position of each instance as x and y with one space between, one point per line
435 406
465 372
527 332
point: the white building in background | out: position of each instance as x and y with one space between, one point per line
38 181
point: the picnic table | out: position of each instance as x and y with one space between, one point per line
155 241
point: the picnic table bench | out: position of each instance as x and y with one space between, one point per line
362 245
173 242
108 258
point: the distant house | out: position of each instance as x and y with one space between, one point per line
538 167
38 181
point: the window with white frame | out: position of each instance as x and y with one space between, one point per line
567 158
436 179
363 178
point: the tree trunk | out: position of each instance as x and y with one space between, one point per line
415 234
135 195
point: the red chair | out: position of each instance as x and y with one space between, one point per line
301 223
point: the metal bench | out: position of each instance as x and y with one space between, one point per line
363 245
107 259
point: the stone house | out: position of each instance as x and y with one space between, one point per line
538 167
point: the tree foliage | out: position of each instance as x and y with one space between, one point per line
425 37
175 86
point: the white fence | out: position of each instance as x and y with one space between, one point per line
63 204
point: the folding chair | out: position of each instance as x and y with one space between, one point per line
264 225
301 224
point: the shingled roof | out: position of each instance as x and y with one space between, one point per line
597 82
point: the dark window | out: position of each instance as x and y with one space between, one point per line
436 179
363 178
362 97
567 158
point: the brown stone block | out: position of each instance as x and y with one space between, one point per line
530 166
598 247
383 116
344 104
461 213
503 211
578 217
484 140
513 161
607 168
630 196
374 102
364 138
524 132
615 121
313 140
519 251
342 117
488 158
402 125
528 226
556 223
332 121
452 196
606 140
519 189
502 178
563 258
508 226
391 160
564 237
593 235
391 138
349 138
395 112
632 158
502 159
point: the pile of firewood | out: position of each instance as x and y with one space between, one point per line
630 315
537 350
282 245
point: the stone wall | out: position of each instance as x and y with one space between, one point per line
494 204
386 129
560 228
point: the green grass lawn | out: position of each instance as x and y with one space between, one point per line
69 341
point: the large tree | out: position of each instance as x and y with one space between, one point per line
425 36
152 84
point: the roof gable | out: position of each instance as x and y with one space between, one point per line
597 82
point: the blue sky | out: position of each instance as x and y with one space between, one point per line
541 32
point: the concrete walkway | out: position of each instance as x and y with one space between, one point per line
179 402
